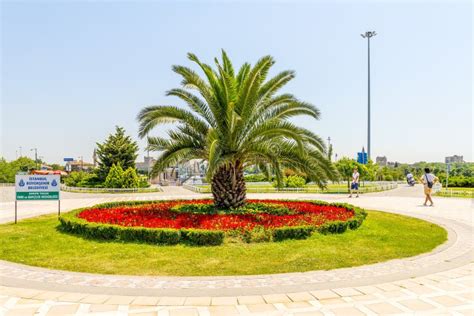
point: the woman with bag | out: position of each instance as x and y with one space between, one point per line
428 180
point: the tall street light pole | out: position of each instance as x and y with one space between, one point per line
368 35
36 156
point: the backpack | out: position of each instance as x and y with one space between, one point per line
428 183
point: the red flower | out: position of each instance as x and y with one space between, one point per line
158 215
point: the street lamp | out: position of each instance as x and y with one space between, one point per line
368 35
36 156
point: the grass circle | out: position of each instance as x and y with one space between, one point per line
383 236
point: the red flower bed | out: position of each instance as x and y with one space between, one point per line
160 215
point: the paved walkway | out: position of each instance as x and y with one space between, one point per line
440 282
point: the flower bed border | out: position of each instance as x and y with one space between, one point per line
69 222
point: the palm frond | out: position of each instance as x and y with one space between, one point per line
152 116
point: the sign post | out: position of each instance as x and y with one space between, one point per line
68 161
448 169
37 187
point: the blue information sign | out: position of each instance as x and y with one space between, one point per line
68 159
362 158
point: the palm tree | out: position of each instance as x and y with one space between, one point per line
235 120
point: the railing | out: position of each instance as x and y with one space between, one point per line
446 192
196 188
377 187
109 190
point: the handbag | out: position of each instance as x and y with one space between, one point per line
428 183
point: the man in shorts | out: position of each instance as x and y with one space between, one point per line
355 182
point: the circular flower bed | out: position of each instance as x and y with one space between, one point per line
198 222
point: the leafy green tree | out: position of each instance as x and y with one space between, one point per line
346 166
330 150
117 149
372 171
56 166
8 170
4 171
130 179
236 118
115 177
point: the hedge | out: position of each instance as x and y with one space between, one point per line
292 232
71 223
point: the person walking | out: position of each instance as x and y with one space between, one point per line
355 182
428 180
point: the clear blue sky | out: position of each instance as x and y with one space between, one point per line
72 71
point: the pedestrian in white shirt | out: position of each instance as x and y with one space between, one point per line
355 182
428 180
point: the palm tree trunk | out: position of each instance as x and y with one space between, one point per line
228 186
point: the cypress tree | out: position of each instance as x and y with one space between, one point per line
117 149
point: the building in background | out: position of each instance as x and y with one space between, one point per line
145 166
454 159
193 170
393 164
381 161
79 165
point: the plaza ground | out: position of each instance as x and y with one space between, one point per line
439 282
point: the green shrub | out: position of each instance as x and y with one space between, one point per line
143 182
457 181
260 234
130 178
70 223
114 178
118 178
334 227
81 179
249 208
292 232
201 237
292 181
259 177
268 208
295 182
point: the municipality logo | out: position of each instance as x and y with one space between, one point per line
54 183
21 183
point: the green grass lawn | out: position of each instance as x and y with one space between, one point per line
456 192
381 237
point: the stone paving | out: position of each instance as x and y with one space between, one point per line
441 282
445 293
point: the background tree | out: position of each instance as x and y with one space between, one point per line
56 166
330 152
8 170
236 119
346 166
117 149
